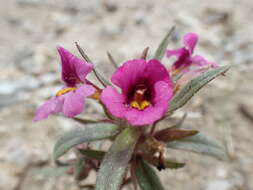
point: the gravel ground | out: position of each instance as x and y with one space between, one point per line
30 31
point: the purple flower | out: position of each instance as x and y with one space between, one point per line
146 90
71 98
185 58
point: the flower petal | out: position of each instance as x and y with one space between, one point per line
82 68
144 117
113 101
155 71
128 74
190 41
74 101
201 61
183 58
163 93
54 105
74 70
177 52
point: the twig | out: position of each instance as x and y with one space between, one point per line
133 175
25 172
246 113
22 177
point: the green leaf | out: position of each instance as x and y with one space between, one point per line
84 121
113 167
173 164
147 178
200 143
93 154
163 45
90 132
186 93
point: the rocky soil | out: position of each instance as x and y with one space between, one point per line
29 66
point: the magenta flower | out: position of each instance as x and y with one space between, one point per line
146 90
71 98
185 58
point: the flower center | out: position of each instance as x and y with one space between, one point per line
64 91
139 102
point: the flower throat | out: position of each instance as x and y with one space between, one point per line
139 102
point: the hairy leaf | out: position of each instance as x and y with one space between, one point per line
113 167
84 121
147 178
186 93
173 164
79 169
163 45
171 134
162 164
90 132
200 143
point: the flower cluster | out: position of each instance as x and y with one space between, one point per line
146 86
142 92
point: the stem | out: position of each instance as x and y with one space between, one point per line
133 174
98 77
90 83
153 129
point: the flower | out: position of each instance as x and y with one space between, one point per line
71 98
185 58
146 90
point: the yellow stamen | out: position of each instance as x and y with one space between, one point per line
140 105
144 104
64 91
135 104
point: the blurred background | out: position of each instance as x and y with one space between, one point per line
30 74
